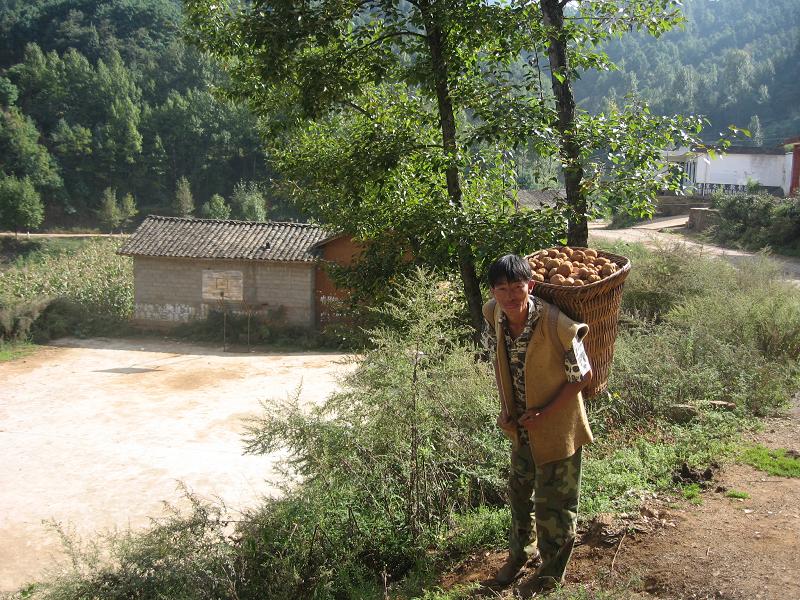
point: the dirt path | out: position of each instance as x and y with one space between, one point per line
97 434
653 234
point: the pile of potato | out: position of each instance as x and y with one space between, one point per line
568 267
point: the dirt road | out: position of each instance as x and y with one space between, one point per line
655 233
97 433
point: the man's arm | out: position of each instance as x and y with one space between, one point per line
489 342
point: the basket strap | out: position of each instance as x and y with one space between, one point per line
552 323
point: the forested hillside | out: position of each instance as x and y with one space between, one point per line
101 99
735 61
105 111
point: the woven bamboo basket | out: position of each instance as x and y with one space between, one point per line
596 304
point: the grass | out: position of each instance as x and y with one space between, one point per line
779 462
737 495
15 350
692 493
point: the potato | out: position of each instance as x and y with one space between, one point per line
601 261
552 272
565 269
583 272
590 252
557 279
538 277
608 269
593 278
552 253
578 255
569 281
542 271
552 263
562 256
578 283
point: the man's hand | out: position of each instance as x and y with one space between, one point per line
529 416
506 423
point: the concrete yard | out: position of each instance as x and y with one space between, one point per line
96 434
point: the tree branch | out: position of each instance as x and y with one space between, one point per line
387 36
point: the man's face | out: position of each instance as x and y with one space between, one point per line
512 297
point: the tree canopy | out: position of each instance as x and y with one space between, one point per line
395 120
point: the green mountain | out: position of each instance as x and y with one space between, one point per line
735 62
101 95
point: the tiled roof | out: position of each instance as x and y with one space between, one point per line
539 198
207 238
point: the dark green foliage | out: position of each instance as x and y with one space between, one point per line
732 60
107 95
215 208
183 205
21 153
20 205
8 92
757 221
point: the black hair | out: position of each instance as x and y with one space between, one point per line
509 268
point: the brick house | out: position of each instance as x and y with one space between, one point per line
184 268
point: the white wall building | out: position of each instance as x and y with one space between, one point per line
735 169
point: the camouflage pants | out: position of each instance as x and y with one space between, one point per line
551 492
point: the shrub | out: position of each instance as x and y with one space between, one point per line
662 278
756 221
409 441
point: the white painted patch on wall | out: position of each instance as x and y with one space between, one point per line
176 313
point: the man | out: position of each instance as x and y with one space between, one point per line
541 368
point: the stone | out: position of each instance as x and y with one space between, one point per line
682 413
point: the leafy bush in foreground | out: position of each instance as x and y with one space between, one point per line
402 470
407 443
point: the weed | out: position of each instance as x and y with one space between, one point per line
737 495
458 592
755 221
484 527
779 462
15 350
691 493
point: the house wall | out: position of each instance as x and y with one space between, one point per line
737 169
170 290
792 165
342 251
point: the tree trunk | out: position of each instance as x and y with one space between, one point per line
578 228
466 260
